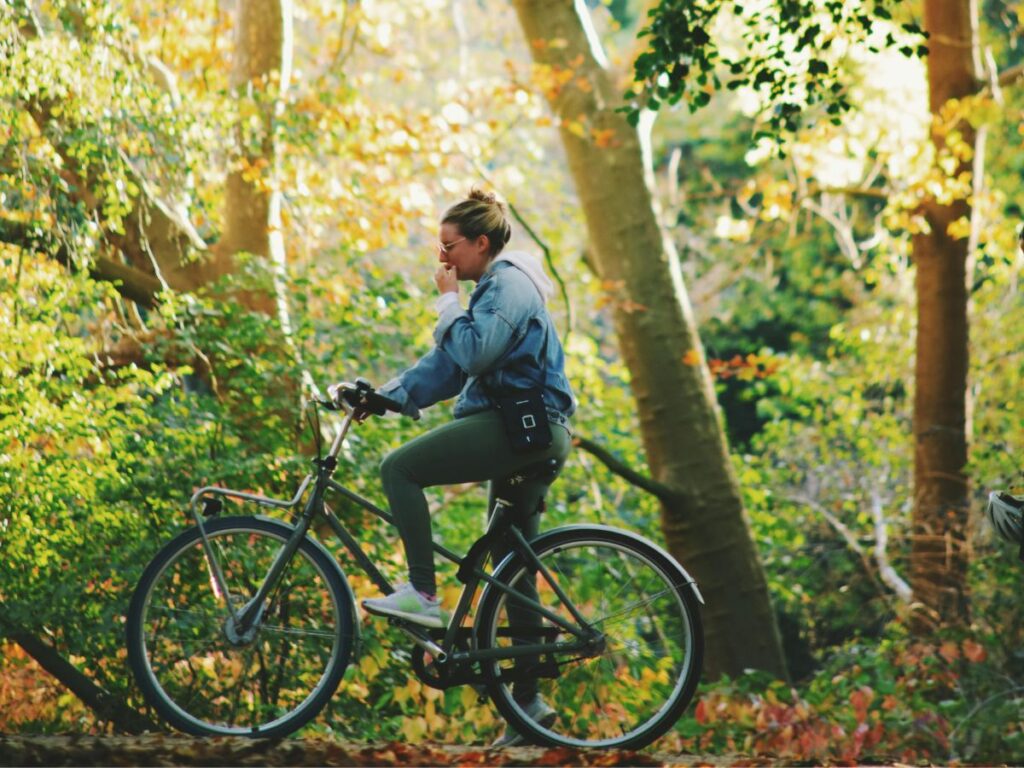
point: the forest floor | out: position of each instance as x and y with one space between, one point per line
173 750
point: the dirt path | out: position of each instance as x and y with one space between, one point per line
173 750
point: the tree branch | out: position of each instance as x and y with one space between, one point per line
886 572
847 535
1011 76
106 705
623 470
156 236
129 282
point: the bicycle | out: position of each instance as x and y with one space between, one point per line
244 625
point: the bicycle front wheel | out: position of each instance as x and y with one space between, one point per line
635 681
207 676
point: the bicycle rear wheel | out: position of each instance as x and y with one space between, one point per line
187 654
636 682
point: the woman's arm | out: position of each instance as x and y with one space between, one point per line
433 378
477 338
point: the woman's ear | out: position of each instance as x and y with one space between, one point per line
483 244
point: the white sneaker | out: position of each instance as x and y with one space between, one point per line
409 604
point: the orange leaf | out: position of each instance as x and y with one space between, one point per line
949 651
604 137
974 652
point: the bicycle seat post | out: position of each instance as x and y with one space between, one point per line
499 514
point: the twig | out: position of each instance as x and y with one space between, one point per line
975 710
847 535
551 266
886 572
620 468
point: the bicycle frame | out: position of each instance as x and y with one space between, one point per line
471 572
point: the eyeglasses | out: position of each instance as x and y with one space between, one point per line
445 247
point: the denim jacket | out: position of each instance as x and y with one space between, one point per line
505 335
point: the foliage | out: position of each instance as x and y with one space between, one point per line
789 51
893 700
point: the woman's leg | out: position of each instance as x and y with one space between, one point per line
471 449
527 497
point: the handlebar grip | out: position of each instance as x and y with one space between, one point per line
366 399
391 405
361 395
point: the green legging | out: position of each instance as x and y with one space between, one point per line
471 449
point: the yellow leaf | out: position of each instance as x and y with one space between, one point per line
414 729
369 667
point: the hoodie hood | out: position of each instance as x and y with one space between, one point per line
531 265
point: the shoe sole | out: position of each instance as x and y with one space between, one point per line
414 618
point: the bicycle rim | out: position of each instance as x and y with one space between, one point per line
190 659
638 683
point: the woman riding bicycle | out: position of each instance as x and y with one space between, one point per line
504 340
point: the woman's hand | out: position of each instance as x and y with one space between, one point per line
446 279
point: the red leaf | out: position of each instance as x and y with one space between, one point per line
700 713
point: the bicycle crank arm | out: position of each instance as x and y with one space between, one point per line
422 639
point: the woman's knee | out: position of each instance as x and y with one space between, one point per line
390 467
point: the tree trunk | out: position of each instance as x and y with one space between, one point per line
259 74
704 523
939 552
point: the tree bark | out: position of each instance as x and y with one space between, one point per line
704 522
939 551
260 73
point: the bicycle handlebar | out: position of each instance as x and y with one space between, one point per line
361 396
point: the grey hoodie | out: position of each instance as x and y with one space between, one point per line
531 265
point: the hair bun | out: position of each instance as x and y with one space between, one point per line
481 213
490 198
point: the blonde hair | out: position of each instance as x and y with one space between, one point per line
482 213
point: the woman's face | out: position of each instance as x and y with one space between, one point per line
469 257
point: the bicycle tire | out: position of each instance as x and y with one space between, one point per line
641 682
266 686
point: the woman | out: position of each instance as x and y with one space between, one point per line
504 339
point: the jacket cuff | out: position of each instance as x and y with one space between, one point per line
448 310
398 393
444 301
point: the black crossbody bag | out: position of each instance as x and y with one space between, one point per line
523 411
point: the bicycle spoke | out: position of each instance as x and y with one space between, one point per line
299 632
629 608
206 675
631 689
